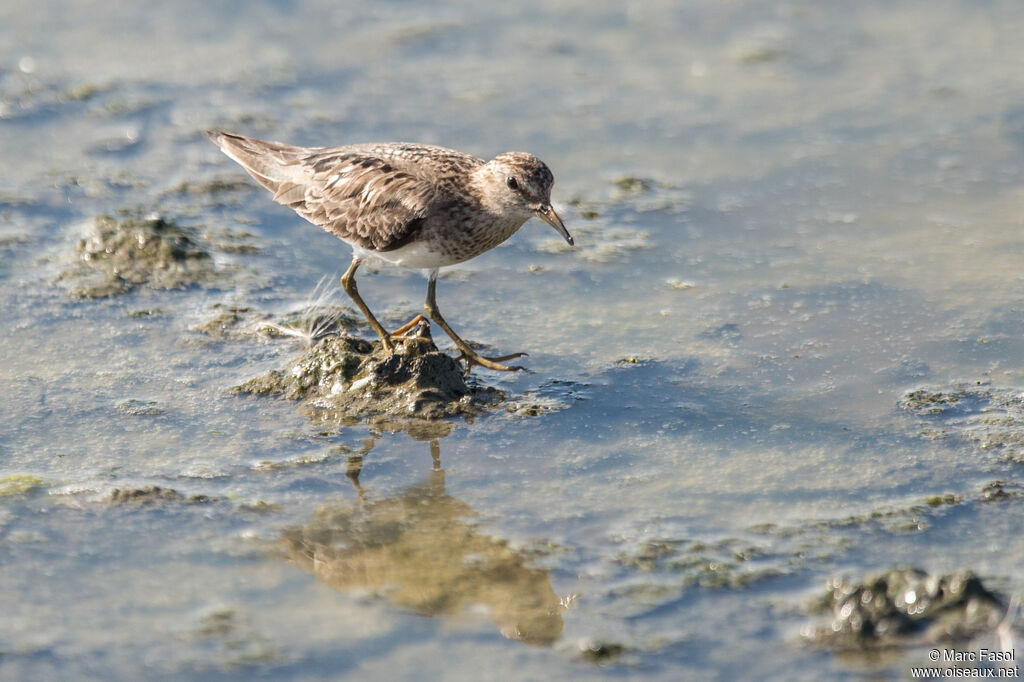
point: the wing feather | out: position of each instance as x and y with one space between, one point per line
356 192
364 199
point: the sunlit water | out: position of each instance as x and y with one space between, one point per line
825 212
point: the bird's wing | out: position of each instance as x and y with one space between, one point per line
353 192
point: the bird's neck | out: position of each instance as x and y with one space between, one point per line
504 220
481 190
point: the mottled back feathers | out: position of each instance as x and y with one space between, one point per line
374 196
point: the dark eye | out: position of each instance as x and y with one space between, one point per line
512 183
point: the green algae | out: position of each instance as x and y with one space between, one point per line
152 495
17 484
144 313
357 379
728 563
137 408
600 653
213 186
238 644
991 418
259 507
999 491
906 606
634 185
233 241
226 320
924 401
912 517
119 254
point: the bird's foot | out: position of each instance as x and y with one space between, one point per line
420 326
471 358
411 325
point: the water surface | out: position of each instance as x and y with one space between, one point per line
787 215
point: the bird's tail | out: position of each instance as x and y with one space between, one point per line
270 163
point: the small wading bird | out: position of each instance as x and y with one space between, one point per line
411 205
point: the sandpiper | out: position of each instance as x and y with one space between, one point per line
411 205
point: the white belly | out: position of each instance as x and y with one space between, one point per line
414 255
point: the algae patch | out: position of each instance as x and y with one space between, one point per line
552 396
606 232
906 607
357 379
119 254
990 417
236 643
228 321
150 495
727 563
137 408
599 652
18 484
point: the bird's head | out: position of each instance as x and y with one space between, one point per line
520 183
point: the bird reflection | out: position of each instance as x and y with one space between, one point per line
420 550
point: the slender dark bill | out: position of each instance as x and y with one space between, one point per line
546 213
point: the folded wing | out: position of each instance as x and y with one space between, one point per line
353 192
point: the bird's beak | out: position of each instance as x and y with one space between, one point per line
548 215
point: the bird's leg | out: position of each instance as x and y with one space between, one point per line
468 354
348 283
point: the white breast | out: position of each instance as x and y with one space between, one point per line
412 255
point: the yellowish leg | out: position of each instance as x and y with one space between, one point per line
348 283
468 354
409 326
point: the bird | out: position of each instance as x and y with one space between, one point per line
410 205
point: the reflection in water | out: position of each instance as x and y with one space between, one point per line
418 551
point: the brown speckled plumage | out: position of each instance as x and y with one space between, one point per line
411 205
380 197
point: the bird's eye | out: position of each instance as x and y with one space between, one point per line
512 183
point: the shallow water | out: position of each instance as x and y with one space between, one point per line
787 215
